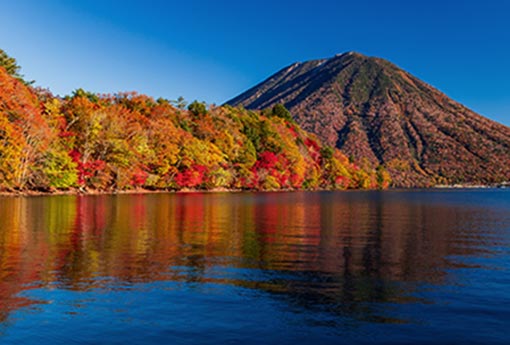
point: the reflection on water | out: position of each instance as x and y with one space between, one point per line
344 254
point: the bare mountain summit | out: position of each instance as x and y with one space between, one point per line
368 107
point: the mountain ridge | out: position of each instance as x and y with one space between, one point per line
369 107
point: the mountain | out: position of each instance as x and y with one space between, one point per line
368 107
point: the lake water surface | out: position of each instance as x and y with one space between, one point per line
393 267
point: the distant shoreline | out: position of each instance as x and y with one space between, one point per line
480 186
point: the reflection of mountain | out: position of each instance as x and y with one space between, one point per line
341 250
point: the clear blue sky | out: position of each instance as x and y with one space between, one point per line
214 50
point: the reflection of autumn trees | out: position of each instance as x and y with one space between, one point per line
341 247
10 258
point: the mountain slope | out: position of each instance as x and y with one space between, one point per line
368 107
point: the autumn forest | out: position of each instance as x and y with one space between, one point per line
87 142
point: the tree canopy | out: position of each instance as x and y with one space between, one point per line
88 141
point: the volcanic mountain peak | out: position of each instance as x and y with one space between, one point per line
369 107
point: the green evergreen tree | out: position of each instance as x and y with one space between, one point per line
198 108
10 64
279 110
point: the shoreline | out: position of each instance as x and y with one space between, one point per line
77 192
28 193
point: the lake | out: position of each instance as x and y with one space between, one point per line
390 267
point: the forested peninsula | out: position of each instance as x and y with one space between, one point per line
89 143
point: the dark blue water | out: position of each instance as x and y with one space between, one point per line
394 267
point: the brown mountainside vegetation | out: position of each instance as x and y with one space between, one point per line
129 141
370 109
